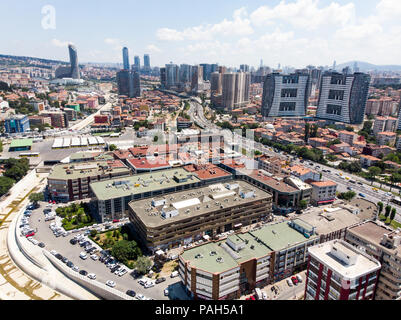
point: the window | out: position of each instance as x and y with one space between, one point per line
289 93
287 106
333 109
336 94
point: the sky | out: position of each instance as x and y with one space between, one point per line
229 32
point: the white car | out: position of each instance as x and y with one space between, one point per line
289 282
111 283
122 272
299 278
53 252
83 255
149 284
92 276
94 257
75 268
166 292
140 296
264 295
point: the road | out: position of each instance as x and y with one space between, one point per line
88 120
197 115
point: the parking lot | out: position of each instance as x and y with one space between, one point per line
72 252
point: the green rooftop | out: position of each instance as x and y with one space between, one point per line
208 262
141 183
279 236
21 143
253 245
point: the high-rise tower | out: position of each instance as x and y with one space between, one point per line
125 58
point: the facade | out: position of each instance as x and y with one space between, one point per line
175 219
137 64
339 271
126 59
215 83
386 138
59 119
229 268
323 192
197 78
70 182
17 124
235 90
72 71
172 75
285 95
381 243
129 83
343 97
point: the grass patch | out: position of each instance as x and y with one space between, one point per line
387 221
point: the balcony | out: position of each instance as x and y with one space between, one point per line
229 278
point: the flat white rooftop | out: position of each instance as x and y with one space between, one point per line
344 259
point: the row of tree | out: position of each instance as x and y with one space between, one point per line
15 170
389 212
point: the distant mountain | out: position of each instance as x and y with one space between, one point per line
365 66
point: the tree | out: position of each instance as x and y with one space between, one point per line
93 233
387 211
374 172
112 147
393 213
303 204
126 250
333 142
381 206
36 197
155 139
143 264
347 195
5 185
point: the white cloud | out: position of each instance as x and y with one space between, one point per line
153 49
389 9
304 13
238 26
60 44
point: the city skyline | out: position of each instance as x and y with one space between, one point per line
293 33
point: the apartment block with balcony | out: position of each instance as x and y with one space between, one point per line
339 271
383 244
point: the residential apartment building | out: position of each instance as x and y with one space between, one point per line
323 192
343 97
339 271
384 124
386 138
17 124
183 217
382 243
285 95
227 269
347 137
70 182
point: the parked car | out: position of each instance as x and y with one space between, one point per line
149 284
73 241
94 257
59 256
140 296
294 280
41 245
92 276
70 264
166 292
289 282
264 295
65 260
83 272
83 255
299 278
131 293
53 252
174 274
75 268
160 280
122 272
362 195
110 283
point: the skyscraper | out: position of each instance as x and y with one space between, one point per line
146 64
137 64
285 95
343 97
73 70
244 67
129 83
74 62
235 90
126 58
215 83
171 75
197 77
